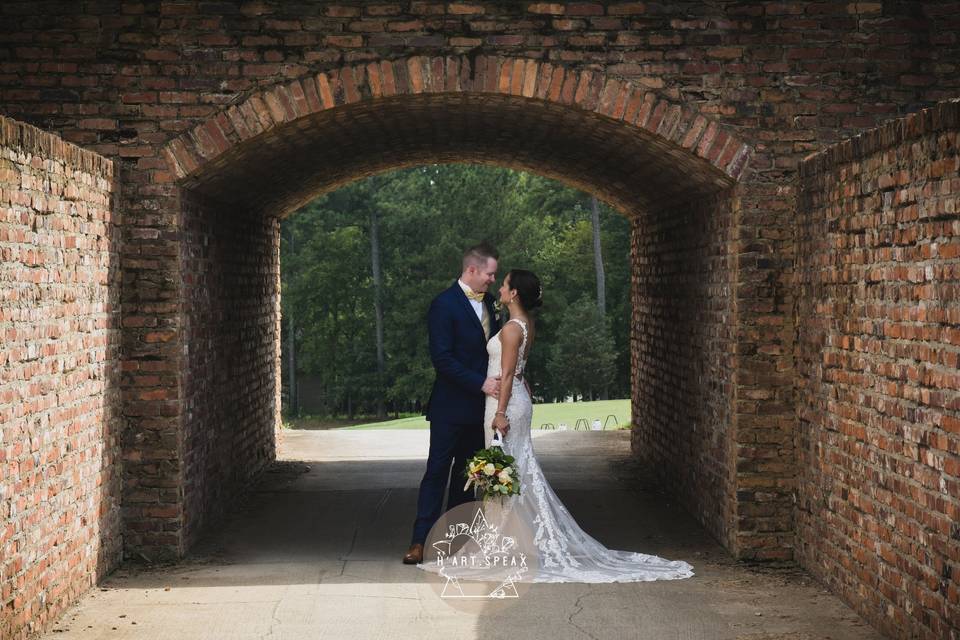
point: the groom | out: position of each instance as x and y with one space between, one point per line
459 322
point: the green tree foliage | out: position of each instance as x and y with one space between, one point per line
583 357
428 215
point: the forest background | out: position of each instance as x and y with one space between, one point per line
360 265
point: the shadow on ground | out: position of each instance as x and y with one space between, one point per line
314 550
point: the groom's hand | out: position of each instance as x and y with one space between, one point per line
491 387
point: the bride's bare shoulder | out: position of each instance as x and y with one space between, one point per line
511 332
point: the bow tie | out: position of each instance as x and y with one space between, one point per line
473 295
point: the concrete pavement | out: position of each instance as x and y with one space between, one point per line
313 551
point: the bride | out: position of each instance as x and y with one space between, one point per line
566 552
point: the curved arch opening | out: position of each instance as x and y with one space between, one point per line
387 245
283 168
665 171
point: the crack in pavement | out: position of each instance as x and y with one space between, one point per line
344 559
579 608
380 504
274 620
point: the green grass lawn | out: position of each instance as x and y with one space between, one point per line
556 413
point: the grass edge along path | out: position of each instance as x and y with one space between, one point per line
554 413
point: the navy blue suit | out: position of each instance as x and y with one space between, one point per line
458 349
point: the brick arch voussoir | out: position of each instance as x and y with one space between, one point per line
682 126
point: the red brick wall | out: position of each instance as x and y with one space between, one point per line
683 358
59 403
231 377
878 359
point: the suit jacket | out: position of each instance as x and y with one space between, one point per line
458 350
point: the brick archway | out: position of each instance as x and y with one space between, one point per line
669 168
675 140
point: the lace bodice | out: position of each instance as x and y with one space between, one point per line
495 352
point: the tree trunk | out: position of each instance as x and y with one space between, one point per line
601 278
292 365
598 258
294 399
378 308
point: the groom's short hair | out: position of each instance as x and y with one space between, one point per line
478 254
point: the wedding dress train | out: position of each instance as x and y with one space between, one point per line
566 552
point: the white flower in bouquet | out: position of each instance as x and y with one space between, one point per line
491 472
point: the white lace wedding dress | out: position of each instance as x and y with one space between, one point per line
566 552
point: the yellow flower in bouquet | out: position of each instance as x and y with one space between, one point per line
491 472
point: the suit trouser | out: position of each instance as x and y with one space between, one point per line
449 444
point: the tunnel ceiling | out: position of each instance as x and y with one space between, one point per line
285 167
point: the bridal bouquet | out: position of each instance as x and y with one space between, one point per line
490 470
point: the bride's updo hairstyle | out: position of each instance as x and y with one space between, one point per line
527 286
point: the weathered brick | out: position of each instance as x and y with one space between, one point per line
465 9
344 41
64 378
863 341
584 9
627 9
339 11
383 9
552 8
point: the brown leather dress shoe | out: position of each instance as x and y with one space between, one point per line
414 554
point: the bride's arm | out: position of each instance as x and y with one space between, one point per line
510 340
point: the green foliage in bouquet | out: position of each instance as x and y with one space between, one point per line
491 471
